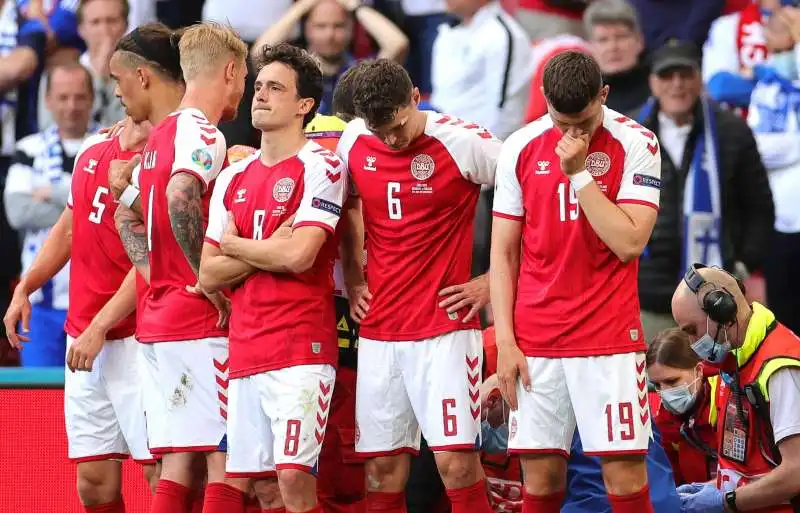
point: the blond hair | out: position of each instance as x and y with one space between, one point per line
208 45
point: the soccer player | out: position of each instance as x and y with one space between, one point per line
103 407
575 201
283 337
418 175
185 380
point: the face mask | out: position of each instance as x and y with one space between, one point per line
494 439
679 399
784 64
708 349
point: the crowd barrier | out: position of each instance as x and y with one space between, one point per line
35 474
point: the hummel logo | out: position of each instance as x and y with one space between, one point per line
240 196
370 165
544 167
91 166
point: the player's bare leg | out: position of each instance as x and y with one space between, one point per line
545 478
298 490
463 478
386 483
269 494
100 486
230 496
151 473
625 478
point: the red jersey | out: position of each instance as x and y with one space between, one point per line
282 319
184 142
98 262
574 296
419 208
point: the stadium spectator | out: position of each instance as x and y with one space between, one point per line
684 407
574 206
22 49
735 45
686 20
101 24
421 22
36 194
717 204
141 12
549 18
417 308
758 446
615 40
774 116
482 67
328 33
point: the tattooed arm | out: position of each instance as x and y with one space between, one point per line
185 205
134 238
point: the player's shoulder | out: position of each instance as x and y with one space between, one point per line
354 129
97 142
451 129
228 174
194 124
627 131
534 130
314 157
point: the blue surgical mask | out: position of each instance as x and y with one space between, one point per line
784 64
707 347
494 439
679 399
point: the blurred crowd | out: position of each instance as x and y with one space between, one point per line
714 75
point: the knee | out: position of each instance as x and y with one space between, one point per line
625 475
544 475
97 486
296 482
268 493
387 474
458 470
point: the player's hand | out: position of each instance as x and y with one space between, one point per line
115 129
18 310
473 294
572 150
512 366
85 348
360 296
218 299
284 231
349 5
120 173
690 488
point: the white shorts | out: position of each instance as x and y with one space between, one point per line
185 394
430 384
277 420
103 408
604 396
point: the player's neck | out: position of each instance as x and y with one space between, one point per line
165 101
204 98
277 146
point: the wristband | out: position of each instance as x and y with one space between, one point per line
129 196
580 180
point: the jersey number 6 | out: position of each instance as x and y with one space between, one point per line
395 210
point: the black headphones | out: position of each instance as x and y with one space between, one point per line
719 303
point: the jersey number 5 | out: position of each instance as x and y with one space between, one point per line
395 210
98 206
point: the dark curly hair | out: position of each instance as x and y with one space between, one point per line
382 88
155 45
306 68
571 80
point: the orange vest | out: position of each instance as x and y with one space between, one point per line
745 441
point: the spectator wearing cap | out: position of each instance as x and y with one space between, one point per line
101 24
716 205
328 33
36 194
482 67
774 116
735 45
615 40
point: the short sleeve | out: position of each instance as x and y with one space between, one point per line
784 393
200 148
474 148
137 171
507 189
323 195
641 174
217 214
